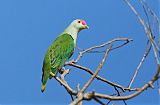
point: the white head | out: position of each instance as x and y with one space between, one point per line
79 24
75 27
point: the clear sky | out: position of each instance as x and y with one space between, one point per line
28 27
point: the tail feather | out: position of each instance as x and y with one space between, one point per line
43 88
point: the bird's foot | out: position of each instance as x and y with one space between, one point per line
65 72
73 61
61 71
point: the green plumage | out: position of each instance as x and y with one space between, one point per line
57 54
61 50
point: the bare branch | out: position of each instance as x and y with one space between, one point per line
98 101
149 28
140 64
89 95
98 69
80 94
149 36
153 14
64 84
101 78
151 11
100 46
126 42
119 94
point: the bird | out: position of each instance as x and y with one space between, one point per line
61 50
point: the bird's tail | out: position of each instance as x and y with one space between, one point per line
43 88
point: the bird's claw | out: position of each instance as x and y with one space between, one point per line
73 61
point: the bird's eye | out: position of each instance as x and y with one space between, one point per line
79 21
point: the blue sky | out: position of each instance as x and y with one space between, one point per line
28 27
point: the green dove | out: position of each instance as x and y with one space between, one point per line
61 50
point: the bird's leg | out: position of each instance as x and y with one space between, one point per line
73 61
65 72
61 70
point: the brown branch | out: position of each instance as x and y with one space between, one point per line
148 34
100 46
101 78
97 71
89 95
108 102
119 94
149 28
140 64
152 13
80 94
98 101
64 84
127 41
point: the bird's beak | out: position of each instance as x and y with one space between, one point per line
86 27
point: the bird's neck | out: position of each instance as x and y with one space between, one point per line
73 32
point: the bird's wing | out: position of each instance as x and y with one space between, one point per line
60 51
57 54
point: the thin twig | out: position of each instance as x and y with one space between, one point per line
119 94
145 29
154 16
98 101
108 102
101 78
94 51
149 27
65 85
140 64
98 69
151 11
100 46
89 95
79 99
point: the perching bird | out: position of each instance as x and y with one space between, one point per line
61 50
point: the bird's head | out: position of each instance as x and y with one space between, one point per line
79 24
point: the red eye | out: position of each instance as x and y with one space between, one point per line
79 21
